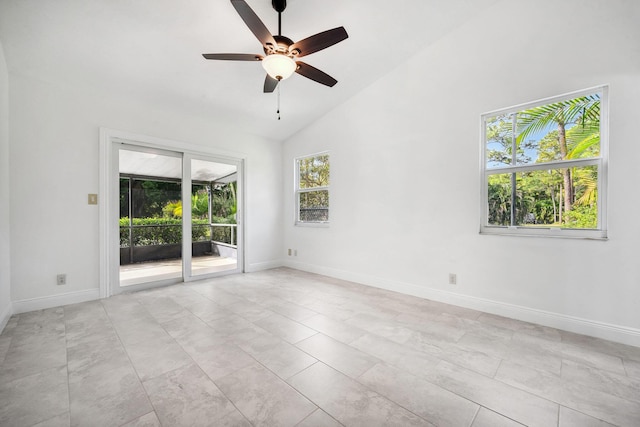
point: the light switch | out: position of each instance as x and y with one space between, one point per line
93 199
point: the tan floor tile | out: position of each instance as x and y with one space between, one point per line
348 401
187 397
34 398
408 361
264 398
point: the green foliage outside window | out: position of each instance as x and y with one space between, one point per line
544 195
163 225
314 171
313 193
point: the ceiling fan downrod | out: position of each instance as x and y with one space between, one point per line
279 6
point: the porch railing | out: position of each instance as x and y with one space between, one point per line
221 233
167 234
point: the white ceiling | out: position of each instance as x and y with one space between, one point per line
152 49
151 164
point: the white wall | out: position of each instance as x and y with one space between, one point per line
5 246
54 161
405 171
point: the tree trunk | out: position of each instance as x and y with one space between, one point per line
566 173
560 207
553 202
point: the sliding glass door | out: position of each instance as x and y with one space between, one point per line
214 217
150 222
179 216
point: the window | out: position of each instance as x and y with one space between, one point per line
544 167
312 189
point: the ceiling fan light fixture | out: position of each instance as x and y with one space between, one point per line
279 66
281 54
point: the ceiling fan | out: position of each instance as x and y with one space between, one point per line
281 54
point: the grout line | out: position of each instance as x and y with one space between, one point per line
66 347
476 415
146 394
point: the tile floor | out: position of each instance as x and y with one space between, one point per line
287 348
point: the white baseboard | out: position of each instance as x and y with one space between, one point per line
617 333
260 266
5 315
26 305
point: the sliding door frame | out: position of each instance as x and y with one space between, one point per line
109 204
115 284
187 223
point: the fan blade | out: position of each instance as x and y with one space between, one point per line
233 56
314 74
270 84
319 41
254 23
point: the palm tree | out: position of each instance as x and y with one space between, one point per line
585 142
560 114
199 206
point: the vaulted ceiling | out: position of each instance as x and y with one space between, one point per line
153 49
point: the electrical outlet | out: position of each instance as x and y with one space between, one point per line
61 279
289 252
92 199
295 252
453 279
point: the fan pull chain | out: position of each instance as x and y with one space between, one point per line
278 110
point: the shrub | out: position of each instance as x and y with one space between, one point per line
159 231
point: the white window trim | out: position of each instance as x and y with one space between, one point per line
602 162
297 191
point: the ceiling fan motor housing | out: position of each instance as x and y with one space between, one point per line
282 46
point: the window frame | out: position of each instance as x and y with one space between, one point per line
601 162
298 191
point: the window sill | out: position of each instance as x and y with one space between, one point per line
312 224
562 233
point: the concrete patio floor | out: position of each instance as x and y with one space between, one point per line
133 274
